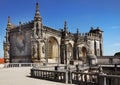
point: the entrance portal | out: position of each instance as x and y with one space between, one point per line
52 50
84 54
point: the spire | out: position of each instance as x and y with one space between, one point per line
77 31
20 26
9 23
7 29
8 19
65 27
37 14
92 28
37 7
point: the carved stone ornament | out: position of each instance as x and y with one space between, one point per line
35 50
43 48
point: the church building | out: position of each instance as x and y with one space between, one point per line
34 42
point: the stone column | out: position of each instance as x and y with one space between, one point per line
42 52
35 52
67 57
116 81
62 53
6 52
67 60
102 79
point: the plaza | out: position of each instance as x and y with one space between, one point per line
21 76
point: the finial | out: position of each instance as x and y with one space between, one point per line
37 10
92 28
97 27
20 24
77 31
9 23
65 26
8 19
100 70
37 7
37 14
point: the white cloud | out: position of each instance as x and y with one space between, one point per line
116 44
115 27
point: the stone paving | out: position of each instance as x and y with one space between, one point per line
20 76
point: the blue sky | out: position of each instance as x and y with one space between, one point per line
81 14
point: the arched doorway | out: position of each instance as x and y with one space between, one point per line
84 54
70 50
52 50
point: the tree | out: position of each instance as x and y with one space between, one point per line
117 54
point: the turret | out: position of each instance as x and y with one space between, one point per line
37 23
96 31
98 40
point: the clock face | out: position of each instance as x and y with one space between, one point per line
20 42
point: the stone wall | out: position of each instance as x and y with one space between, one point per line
20 46
109 60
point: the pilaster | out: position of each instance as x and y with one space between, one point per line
6 52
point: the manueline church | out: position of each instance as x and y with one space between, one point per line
35 42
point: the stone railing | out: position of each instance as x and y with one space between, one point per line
111 69
108 60
84 78
109 80
58 76
35 65
65 76
11 65
74 77
45 68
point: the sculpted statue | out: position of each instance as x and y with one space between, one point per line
7 51
89 51
35 50
43 48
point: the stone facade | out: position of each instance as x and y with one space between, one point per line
35 42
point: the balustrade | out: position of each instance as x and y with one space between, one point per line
85 78
109 80
80 78
10 65
49 75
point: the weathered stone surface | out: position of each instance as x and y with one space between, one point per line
34 42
